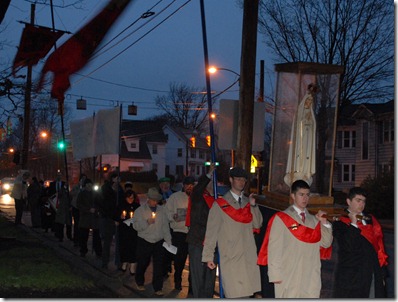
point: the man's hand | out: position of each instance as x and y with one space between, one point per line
277 282
211 265
252 199
150 220
319 215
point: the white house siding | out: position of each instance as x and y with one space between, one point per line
158 159
173 143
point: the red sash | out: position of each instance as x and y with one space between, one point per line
301 232
243 215
209 201
373 233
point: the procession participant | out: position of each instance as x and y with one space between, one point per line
362 260
152 225
292 247
177 206
201 200
232 219
19 193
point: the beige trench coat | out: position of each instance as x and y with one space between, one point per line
240 273
296 263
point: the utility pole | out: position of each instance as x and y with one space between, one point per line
247 84
28 90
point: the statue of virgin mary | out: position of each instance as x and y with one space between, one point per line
301 158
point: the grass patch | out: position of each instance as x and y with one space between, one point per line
26 263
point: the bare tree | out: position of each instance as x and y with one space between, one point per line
357 34
184 106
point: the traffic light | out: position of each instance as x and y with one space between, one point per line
106 168
193 141
208 140
61 145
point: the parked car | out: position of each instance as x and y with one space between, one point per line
6 185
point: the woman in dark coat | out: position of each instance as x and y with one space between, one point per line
88 219
34 199
127 235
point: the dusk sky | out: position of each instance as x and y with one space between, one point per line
144 64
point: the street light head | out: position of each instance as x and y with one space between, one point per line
212 69
43 134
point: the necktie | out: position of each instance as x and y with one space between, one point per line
240 201
302 214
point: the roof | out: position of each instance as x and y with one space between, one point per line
151 131
348 114
144 131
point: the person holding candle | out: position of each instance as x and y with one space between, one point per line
152 226
127 234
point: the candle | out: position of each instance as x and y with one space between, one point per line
131 214
153 214
124 214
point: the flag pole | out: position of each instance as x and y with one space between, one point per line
211 127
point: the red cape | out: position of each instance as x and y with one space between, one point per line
301 232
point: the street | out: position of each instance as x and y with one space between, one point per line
7 206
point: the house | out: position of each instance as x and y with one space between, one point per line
151 145
187 151
142 147
364 144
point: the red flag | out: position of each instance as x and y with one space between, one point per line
36 42
77 51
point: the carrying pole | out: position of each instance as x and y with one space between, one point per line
211 127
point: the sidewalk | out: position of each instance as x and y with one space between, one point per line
119 282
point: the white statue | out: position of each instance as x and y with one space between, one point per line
301 158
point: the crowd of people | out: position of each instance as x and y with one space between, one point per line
170 226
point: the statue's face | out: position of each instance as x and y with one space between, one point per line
308 103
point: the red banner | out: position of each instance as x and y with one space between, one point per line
77 51
36 42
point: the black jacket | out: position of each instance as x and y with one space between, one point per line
357 262
199 213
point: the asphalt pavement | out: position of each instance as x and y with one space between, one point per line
123 284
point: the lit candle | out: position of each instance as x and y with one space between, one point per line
131 214
153 214
124 214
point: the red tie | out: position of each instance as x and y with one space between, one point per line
302 214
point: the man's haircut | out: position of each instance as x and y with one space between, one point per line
299 184
356 191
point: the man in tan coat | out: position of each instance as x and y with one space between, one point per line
294 246
232 220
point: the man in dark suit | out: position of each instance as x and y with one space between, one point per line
59 191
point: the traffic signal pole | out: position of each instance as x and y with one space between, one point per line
28 91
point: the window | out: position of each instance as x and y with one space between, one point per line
348 172
201 154
197 170
179 152
388 131
346 139
155 167
365 140
154 149
193 153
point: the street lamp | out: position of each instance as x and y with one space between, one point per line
213 70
